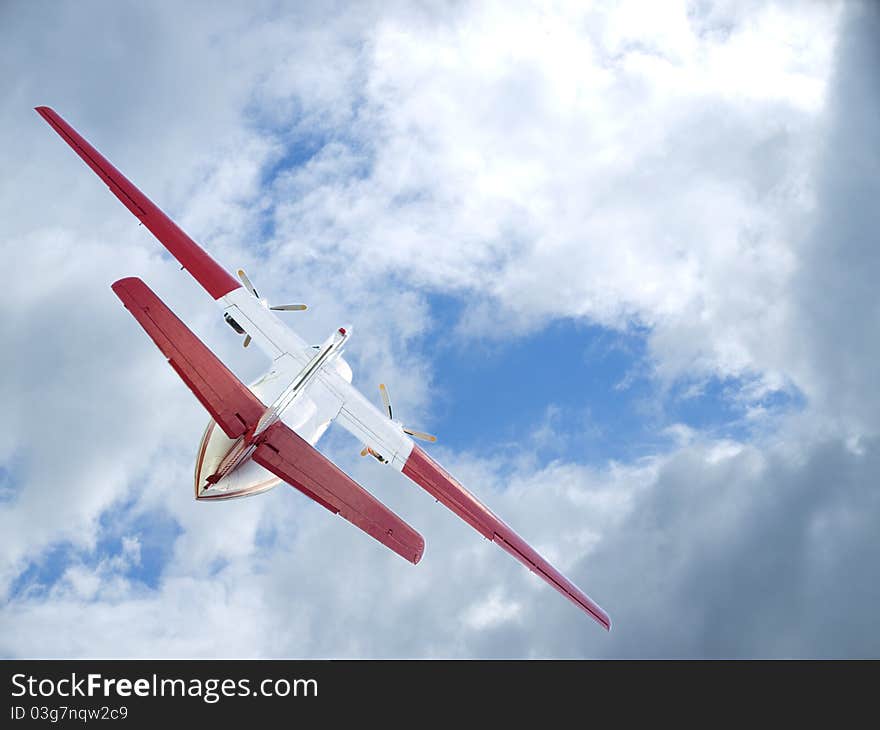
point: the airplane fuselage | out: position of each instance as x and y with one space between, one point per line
223 466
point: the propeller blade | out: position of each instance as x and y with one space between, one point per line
386 399
420 435
247 340
365 451
247 282
289 308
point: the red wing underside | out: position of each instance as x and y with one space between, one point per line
236 410
231 404
216 281
424 471
289 457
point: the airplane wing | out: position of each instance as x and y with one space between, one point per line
428 474
237 410
213 277
374 429
267 331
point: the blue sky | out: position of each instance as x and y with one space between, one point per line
594 385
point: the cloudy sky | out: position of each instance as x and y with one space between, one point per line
623 259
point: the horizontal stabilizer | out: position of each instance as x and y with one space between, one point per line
229 401
289 457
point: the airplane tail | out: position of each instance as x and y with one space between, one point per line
278 449
229 401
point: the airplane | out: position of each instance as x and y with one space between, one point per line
265 433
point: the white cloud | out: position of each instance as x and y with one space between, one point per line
572 163
491 612
681 172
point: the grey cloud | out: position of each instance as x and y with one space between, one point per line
764 555
838 309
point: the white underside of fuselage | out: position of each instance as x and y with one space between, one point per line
309 415
328 395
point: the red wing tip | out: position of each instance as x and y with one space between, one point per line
419 553
599 616
123 283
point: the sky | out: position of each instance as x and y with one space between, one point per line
621 257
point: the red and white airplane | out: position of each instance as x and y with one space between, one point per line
262 434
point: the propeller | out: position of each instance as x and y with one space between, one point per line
278 308
386 399
375 454
421 435
247 282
